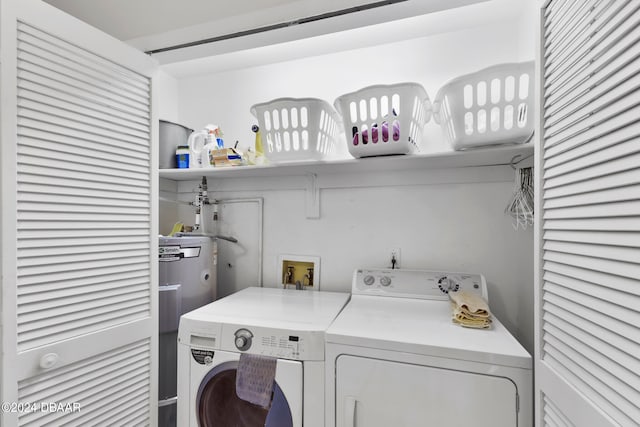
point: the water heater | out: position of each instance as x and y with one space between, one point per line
187 280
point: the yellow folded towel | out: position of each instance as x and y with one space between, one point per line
470 302
467 321
470 310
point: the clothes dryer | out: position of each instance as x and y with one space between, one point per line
394 357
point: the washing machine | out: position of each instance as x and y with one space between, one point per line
284 324
395 358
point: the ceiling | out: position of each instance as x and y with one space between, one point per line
148 25
129 19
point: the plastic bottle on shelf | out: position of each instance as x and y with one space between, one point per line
212 144
259 150
198 143
182 156
207 157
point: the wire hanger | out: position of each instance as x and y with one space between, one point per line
521 204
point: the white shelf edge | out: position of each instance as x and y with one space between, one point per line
491 156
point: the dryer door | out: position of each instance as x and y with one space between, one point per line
380 393
217 404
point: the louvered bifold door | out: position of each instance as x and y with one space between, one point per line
84 294
588 337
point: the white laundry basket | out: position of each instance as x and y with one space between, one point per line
384 119
488 107
297 128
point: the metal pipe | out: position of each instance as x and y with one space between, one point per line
179 202
213 236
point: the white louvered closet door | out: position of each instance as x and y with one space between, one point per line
588 231
79 259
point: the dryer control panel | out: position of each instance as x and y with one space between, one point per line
420 284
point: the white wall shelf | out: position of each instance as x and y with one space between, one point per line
492 156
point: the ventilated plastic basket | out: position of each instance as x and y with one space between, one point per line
491 106
297 128
384 119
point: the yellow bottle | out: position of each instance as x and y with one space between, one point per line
258 147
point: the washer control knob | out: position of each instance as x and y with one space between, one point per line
243 339
385 281
369 280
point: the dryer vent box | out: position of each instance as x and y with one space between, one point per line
299 271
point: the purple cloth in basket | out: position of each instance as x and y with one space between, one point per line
396 131
374 133
255 377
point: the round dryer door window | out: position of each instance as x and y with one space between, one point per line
218 404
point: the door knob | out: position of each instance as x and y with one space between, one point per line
48 361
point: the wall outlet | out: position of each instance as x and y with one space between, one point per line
299 271
394 254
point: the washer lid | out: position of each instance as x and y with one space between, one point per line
282 309
423 327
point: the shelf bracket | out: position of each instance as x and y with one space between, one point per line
312 197
517 159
